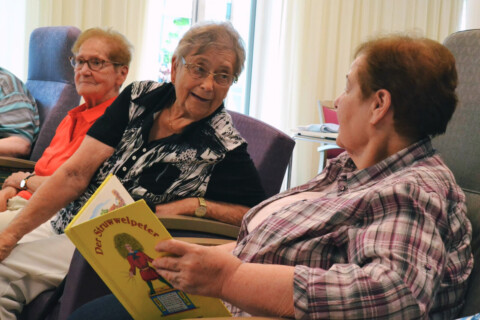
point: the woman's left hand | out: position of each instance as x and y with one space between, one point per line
195 269
14 179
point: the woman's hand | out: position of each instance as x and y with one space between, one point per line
7 243
195 269
14 179
5 194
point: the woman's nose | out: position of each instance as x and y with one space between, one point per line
208 82
337 100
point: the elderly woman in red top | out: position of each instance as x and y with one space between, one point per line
101 60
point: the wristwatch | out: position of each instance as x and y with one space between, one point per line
23 182
201 210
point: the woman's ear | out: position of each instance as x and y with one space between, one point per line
382 103
173 74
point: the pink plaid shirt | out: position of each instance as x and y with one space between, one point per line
390 241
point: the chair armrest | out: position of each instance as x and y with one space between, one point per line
187 223
204 241
16 163
9 165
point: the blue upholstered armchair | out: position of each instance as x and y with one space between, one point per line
51 79
51 82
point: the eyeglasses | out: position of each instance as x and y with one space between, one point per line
196 71
94 64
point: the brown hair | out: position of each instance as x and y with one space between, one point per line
421 77
203 36
120 48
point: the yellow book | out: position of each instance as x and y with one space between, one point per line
119 245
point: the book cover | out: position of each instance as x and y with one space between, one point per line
119 245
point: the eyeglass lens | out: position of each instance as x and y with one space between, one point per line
197 72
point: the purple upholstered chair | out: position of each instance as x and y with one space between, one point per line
270 150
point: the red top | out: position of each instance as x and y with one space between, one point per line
68 137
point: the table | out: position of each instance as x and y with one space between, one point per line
324 138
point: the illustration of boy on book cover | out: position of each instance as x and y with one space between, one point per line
166 298
128 247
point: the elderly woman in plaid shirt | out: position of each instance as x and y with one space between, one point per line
380 233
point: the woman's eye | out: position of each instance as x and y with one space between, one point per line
199 69
96 62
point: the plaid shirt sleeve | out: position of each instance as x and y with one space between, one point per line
396 257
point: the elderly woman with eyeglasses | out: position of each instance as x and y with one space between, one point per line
381 233
101 60
171 144
98 80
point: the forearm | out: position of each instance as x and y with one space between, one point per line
255 288
220 211
65 184
15 146
35 182
261 290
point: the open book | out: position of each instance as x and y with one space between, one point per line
117 237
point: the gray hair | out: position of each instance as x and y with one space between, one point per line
220 35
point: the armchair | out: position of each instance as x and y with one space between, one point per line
270 150
51 82
460 146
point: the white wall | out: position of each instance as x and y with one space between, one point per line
471 15
12 35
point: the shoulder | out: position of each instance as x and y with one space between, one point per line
140 88
424 189
222 123
11 85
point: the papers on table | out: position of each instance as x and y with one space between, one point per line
325 127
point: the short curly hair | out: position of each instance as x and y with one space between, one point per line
121 50
420 75
205 35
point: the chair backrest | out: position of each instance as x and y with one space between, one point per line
460 146
51 79
269 148
329 115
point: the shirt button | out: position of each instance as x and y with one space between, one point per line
144 149
342 188
134 158
124 169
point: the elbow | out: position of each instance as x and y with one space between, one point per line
24 150
75 177
20 148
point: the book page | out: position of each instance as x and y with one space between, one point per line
110 195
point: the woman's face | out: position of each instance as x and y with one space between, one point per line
353 112
98 86
201 97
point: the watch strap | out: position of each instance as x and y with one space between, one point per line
201 210
23 183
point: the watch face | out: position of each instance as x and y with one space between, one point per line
200 211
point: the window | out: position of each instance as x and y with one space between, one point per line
170 19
